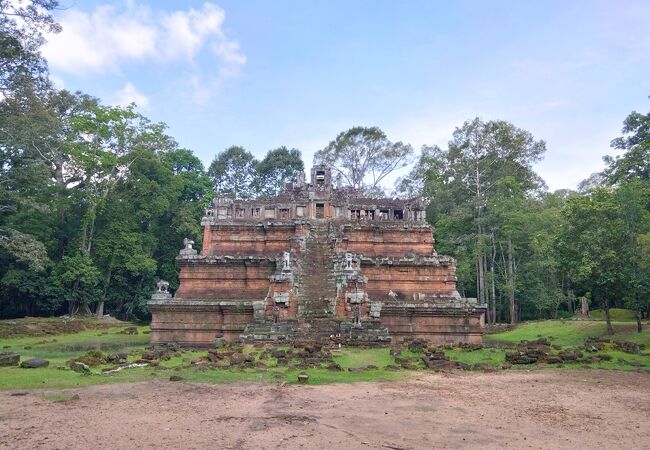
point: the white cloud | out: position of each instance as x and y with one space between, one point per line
103 40
130 94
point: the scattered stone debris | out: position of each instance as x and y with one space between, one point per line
593 344
129 330
303 378
529 352
80 367
570 354
8 359
628 347
34 363
92 358
176 378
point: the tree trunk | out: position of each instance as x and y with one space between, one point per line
99 311
100 306
610 329
511 285
493 288
639 327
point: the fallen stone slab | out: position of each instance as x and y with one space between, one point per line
34 363
8 359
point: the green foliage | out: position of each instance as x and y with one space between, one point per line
364 157
233 173
22 25
635 162
278 167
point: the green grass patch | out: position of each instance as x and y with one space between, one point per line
614 314
568 332
357 357
490 356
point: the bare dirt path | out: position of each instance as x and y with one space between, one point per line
539 409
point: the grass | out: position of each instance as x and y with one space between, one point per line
60 348
491 356
568 332
572 333
614 314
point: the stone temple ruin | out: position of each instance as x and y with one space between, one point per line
316 262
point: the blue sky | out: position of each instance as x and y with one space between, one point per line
265 74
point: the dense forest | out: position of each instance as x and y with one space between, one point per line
95 200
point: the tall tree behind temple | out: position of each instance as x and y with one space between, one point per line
364 157
278 167
233 173
466 184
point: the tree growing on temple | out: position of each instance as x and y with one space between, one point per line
364 157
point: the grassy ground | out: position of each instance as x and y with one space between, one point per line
614 314
60 348
566 334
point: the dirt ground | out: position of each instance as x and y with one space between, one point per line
539 409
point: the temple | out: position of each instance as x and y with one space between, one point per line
316 262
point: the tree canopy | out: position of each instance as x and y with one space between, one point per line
364 157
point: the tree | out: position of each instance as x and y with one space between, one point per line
233 173
594 246
635 162
481 154
22 24
80 280
364 156
278 167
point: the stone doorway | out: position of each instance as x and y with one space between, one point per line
320 210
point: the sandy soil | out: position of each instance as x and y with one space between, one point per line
580 409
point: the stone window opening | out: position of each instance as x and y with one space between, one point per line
320 177
398 214
223 213
371 215
239 213
284 213
355 214
255 212
383 214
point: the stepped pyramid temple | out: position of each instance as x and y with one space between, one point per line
317 262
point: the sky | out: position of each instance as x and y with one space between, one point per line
262 74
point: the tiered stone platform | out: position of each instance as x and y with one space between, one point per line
318 263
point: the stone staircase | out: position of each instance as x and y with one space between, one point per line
317 282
